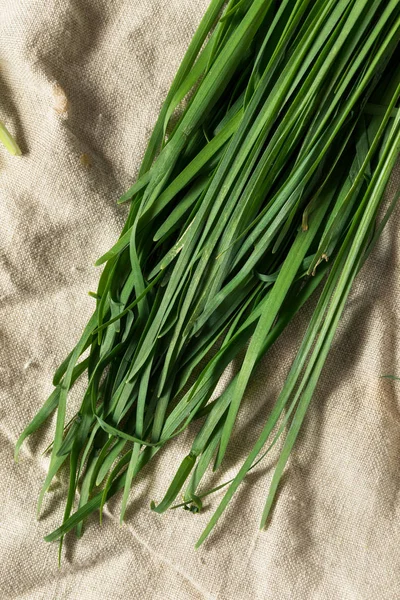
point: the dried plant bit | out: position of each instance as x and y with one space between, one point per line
60 100
86 160
8 141
323 257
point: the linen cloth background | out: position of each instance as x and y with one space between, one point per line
81 83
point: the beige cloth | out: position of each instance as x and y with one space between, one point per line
81 82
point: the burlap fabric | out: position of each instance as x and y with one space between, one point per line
81 83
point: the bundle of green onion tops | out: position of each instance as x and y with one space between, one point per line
265 192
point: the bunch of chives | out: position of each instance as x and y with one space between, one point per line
264 193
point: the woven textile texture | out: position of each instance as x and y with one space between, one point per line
81 83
